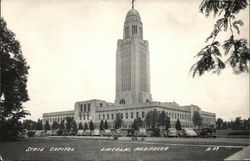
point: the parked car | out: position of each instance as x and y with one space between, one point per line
23 134
117 132
87 132
107 132
208 132
171 132
49 132
54 133
40 133
31 133
142 132
96 132
189 132
156 132
69 133
80 132
59 132
130 132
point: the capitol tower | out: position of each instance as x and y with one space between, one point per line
133 98
132 63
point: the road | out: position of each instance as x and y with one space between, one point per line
102 148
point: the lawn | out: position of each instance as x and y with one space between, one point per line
53 148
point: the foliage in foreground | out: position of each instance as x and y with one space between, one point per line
236 51
13 92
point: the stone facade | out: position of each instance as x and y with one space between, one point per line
57 116
132 63
133 97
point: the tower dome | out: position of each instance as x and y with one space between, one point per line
133 15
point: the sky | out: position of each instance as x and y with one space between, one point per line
70 47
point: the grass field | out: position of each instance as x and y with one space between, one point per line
78 148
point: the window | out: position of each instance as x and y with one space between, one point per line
88 107
142 114
87 117
84 107
81 108
122 101
127 32
100 104
103 116
134 29
126 115
99 117
108 116
140 31
121 115
137 114
112 116
132 116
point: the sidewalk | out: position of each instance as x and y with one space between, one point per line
244 154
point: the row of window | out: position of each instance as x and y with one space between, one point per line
85 107
125 126
178 116
111 116
169 114
58 119
134 31
83 117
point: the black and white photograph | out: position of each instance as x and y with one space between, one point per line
137 80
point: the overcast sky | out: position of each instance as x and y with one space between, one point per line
70 47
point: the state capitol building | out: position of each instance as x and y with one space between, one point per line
133 98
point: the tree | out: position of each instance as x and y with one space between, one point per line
197 120
39 125
135 125
101 125
74 126
224 125
140 122
210 57
219 123
246 123
29 124
13 92
178 125
237 123
69 121
62 127
152 119
118 121
148 118
55 125
47 126
91 125
80 126
155 118
162 118
106 126
167 122
85 126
